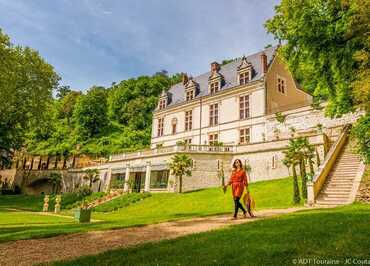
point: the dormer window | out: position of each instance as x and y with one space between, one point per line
243 78
215 80
189 95
163 100
214 87
162 103
191 88
244 71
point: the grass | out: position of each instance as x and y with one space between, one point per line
159 207
338 233
121 202
21 202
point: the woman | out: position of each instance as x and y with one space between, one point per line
238 181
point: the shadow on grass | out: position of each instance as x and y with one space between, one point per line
326 233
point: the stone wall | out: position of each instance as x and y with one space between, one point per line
363 194
305 120
35 182
206 171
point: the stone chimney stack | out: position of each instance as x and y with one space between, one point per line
263 63
185 78
215 67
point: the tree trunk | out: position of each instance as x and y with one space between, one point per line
304 179
317 159
311 166
180 183
296 197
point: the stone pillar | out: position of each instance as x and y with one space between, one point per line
310 194
127 177
109 177
147 176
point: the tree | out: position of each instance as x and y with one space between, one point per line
92 176
291 160
26 86
63 91
327 47
180 166
56 180
90 113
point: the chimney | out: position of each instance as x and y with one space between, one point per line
185 78
264 63
215 67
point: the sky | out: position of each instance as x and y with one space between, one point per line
97 42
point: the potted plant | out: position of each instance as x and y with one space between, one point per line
83 214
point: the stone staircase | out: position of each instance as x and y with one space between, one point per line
342 183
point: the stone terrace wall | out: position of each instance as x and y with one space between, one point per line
306 119
363 193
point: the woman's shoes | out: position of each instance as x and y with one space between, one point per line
245 215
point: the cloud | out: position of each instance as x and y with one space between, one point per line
98 42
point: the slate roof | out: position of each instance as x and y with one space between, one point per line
229 73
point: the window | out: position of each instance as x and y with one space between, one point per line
281 85
213 114
214 87
160 127
189 95
162 103
274 162
174 125
187 141
243 78
244 136
244 107
213 139
188 120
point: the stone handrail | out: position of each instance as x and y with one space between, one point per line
314 186
172 149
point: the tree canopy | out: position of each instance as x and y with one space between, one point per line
102 120
326 45
26 86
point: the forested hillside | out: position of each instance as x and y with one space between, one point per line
99 121
102 120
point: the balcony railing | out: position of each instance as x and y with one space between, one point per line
173 149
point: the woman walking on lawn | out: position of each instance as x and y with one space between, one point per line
238 181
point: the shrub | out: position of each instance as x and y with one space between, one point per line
121 202
84 191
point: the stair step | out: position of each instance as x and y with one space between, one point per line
345 169
334 197
341 178
345 193
322 202
339 182
332 200
336 190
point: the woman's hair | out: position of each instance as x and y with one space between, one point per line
240 162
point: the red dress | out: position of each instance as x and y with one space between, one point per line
238 181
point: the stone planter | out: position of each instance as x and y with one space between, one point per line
83 215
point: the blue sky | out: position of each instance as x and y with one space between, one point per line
97 42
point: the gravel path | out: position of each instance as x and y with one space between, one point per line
34 251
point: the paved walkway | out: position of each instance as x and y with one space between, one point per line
66 247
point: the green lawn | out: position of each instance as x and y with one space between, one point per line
338 233
157 208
